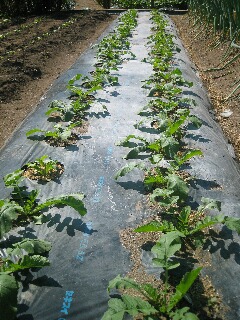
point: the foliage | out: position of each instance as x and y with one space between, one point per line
43 168
162 158
189 223
21 208
16 7
23 255
154 302
8 296
61 133
222 19
23 205
145 4
110 53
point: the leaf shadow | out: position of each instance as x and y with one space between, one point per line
197 137
23 308
148 130
217 242
204 184
71 224
114 93
133 185
98 115
72 148
103 100
36 137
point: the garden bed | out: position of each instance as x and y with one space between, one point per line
119 116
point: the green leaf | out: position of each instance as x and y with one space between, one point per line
134 153
165 249
188 155
31 246
170 146
178 186
73 200
129 167
65 134
155 146
136 305
209 204
123 283
207 222
195 121
176 125
157 179
151 291
36 130
8 297
232 224
131 305
13 179
126 142
47 113
26 262
156 226
41 219
8 213
76 78
183 314
116 310
158 192
182 288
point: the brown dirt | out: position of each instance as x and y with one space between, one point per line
33 57
219 83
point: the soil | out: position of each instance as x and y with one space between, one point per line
200 46
35 50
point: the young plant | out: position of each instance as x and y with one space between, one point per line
154 303
61 136
22 255
190 223
43 168
171 131
61 109
166 146
83 95
23 205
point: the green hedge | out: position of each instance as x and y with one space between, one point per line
23 7
145 4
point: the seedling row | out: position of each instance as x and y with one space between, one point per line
23 205
182 227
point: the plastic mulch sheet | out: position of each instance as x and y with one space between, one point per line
87 252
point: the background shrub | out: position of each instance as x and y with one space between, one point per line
24 7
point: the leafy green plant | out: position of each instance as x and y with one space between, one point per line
167 190
22 255
23 206
62 135
171 131
189 223
174 77
154 303
63 110
82 94
43 168
144 4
